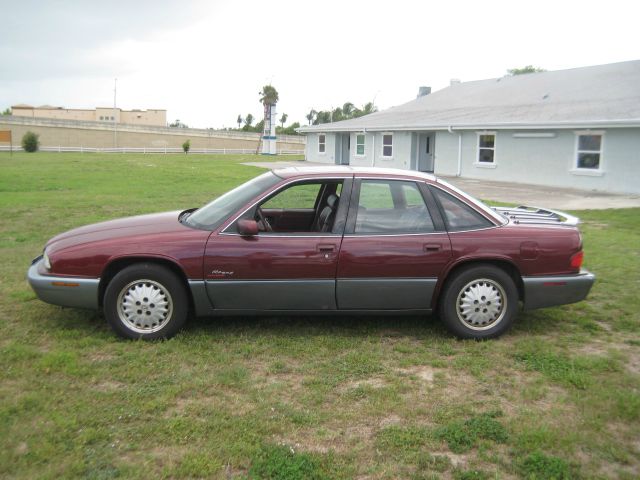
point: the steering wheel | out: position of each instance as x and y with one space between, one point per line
263 220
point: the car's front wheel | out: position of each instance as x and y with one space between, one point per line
479 302
146 301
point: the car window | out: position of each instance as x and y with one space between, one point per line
375 195
392 207
458 215
214 213
302 196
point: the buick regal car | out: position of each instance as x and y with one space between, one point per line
333 240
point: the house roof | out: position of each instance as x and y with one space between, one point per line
601 95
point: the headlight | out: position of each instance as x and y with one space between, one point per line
47 263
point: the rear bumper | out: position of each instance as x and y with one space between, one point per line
63 291
553 290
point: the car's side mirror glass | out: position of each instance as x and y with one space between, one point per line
247 227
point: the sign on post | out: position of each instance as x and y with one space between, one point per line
5 137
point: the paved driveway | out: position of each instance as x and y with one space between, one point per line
517 193
539 196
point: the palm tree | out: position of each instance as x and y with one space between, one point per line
269 95
347 109
248 120
283 119
311 116
239 120
369 108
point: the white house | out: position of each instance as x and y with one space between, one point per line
576 128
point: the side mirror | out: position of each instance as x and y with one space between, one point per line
247 227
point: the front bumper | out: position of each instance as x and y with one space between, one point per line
63 291
554 290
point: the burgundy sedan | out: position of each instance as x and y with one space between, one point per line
335 240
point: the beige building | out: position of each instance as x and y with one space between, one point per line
153 117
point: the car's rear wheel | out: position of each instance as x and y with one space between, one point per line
146 301
479 302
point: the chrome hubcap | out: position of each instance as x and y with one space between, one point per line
481 304
144 306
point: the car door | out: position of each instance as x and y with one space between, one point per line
394 248
290 268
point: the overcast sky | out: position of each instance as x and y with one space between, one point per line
206 61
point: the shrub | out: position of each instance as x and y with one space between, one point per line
186 146
30 142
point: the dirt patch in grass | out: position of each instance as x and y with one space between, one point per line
338 439
109 386
99 357
392 419
234 403
424 373
373 382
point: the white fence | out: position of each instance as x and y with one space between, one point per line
163 150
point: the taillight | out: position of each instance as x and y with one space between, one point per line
576 259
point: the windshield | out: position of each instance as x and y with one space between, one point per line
214 213
489 211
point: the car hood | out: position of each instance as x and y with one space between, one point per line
141 225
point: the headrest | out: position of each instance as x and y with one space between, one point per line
332 200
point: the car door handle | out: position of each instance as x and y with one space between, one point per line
432 247
324 248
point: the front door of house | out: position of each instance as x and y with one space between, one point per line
343 148
425 152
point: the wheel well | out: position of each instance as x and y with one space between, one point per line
504 265
116 266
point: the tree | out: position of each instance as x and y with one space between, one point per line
311 116
269 95
259 126
178 124
248 120
369 108
186 146
239 120
336 115
290 130
6 111
347 109
525 70
322 117
283 119
30 142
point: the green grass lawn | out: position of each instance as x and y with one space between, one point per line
380 397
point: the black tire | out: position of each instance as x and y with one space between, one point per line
479 302
146 301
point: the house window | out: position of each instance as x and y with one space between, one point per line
322 143
486 147
589 151
387 145
101 117
360 144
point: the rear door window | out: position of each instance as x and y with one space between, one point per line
391 207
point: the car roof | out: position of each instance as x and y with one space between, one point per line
291 172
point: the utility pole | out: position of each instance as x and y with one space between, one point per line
115 122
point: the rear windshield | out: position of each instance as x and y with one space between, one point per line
213 214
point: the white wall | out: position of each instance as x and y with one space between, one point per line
538 161
372 150
311 149
545 161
